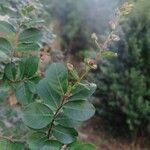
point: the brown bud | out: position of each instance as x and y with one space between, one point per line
91 63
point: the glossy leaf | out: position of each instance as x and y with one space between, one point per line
82 91
6 27
79 110
64 135
37 115
30 35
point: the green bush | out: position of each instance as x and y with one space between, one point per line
123 83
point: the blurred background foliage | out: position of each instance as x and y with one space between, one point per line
123 83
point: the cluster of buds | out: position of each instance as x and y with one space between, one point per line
126 8
91 63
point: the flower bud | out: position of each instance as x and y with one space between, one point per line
91 63
94 36
70 66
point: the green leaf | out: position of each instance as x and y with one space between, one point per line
4 58
23 92
64 135
57 77
28 66
52 145
31 35
40 141
82 91
79 110
81 146
12 72
36 140
5 46
27 47
67 122
48 94
54 86
37 115
8 145
6 27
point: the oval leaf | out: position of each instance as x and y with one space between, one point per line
57 77
67 122
36 140
79 110
64 135
8 145
23 93
5 46
82 91
37 115
48 94
51 145
28 66
27 47
81 146
6 27
30 35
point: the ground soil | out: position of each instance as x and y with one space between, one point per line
93 131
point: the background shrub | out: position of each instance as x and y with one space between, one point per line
123 83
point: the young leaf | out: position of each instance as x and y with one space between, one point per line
30 35
27 47
6 27
37 115
64 135
82 91
79 110
57 77
5 46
